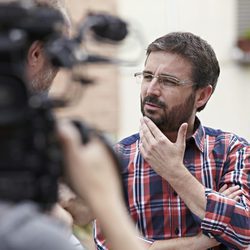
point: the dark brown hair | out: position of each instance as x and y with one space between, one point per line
205 66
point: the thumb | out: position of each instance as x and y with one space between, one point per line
68 135
181 137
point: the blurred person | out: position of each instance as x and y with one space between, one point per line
175 169
87 176
40 71
24 225
40 74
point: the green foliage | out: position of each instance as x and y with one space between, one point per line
247 34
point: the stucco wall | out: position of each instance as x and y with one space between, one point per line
214 21
113 103
99 103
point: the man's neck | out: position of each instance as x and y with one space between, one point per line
172 136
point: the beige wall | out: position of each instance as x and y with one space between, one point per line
113 103
99 103
216 22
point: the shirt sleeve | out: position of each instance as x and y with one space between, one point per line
226 219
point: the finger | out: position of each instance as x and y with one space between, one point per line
68 134
142 150
181 137
145 133
144 146
223 188
235 194
155 131
142 129
237 198
230 190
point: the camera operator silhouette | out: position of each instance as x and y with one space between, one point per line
23 223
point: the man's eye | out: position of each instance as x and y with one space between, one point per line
148 78
168 82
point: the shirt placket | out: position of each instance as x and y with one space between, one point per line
174 205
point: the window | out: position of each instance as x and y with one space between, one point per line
243 16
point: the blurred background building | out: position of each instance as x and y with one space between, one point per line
112 103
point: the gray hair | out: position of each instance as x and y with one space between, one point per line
57 5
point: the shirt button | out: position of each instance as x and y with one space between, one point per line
175 194
176 231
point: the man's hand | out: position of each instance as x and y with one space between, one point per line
163 155
166 158
233 192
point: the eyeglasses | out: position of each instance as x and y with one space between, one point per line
163 79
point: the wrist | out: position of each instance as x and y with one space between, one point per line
177 174
105 204
202 242
191 191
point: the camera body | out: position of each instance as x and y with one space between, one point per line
31 160
30 156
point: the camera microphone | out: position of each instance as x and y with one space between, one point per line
103 26
67 52
108 27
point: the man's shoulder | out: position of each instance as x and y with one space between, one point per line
220 135
128 141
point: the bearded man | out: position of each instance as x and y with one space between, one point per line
175 169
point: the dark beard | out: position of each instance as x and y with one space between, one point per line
172 119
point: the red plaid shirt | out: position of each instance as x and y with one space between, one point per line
214 158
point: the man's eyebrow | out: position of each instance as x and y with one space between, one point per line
147 71
170 76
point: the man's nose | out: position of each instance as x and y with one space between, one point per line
154 87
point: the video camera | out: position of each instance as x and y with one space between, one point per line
31 160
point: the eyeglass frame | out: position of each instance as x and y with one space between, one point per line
174 81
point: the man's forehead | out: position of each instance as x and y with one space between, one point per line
162 62
166 58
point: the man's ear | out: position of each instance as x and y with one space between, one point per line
35 58
203 95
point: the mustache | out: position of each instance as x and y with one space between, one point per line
154 100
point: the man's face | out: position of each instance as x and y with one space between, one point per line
168 106
41 81
40 72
